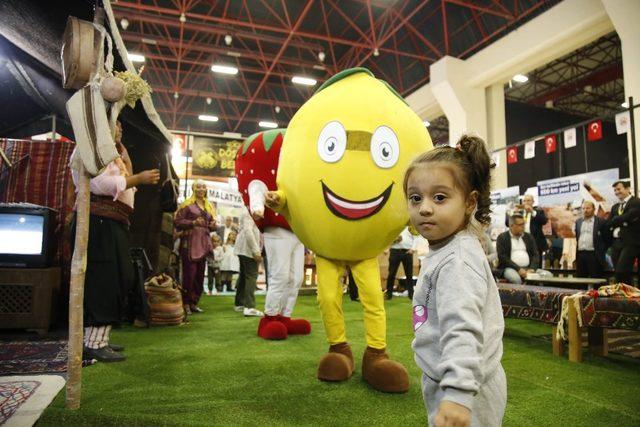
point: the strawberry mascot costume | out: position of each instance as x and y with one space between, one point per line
256 169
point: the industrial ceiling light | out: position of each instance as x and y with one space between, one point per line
228 39
277 109
427 123
321 56
548 103
135 57
376 52
176 95
124 23
209 101
625 104
304 81
269 125
208 118
521 78
183 17
224 69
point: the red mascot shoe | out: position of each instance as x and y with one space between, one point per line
296 326
271 328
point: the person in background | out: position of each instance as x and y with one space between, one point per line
230 264
109 269
213 264
224 230
401 251
249 251
624 223
195 218
517 251
590 256
534 219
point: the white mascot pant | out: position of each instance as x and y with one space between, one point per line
285 267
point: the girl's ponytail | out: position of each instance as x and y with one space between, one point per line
476 153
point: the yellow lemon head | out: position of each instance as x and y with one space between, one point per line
342 164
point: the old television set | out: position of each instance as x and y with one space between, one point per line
27 235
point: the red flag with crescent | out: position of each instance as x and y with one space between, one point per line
512 155
550 143
594 130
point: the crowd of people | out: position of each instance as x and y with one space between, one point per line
601 244
223 251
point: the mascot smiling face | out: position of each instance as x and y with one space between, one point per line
342 164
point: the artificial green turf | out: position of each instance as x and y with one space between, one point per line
216 371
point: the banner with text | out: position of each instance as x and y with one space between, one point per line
214 157
562 198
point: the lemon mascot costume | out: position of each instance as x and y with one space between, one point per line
339 181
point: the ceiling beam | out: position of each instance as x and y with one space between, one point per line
600 77
301 17
217 95
146 17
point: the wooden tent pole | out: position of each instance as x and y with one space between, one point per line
76 292
78 269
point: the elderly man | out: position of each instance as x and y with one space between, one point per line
517 252
534 219
590 256
224 230
624 222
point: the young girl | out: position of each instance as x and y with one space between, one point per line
213 264
230 263
457 315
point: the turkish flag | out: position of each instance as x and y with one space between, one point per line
550 143
594 130
512 155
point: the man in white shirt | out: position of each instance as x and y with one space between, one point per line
517 251
590 256
401 251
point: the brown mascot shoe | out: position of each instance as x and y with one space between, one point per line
337 365
382 373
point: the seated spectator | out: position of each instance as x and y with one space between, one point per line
517 251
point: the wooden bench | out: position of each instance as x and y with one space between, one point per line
598 315
582 283
539 303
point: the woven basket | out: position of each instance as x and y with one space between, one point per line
165 301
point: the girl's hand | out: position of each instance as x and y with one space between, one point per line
452 415
199 222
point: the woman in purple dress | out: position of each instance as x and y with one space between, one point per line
195 219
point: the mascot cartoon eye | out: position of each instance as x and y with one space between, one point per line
332 142
385 148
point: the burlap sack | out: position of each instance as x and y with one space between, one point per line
165 300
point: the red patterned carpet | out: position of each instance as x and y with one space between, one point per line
39 357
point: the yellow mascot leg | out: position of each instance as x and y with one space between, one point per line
367 276
330 298
382 373
337 364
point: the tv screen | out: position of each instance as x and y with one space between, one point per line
27 235
21 234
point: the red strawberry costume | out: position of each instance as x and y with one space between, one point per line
256 169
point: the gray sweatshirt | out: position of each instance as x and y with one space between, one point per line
457 318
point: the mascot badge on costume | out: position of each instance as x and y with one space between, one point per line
340 187
256 168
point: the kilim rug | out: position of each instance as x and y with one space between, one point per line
36 357
24 398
